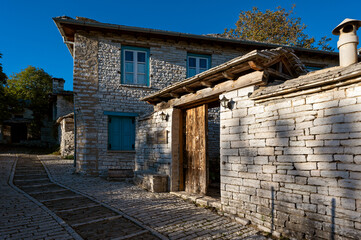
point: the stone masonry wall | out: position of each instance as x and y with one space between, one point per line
154 155
64 105
98 88
67 137
293 166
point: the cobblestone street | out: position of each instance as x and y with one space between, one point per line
161 212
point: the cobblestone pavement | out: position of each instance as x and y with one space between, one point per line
163 212
20 218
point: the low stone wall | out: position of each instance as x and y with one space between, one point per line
293 166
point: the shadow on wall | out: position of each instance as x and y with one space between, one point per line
316 183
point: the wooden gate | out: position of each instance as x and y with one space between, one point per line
195 149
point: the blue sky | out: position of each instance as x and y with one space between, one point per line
30 37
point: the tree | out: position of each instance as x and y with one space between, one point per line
31 87
7 102
3 76
278 26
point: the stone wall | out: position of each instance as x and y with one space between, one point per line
153 144
293 166
98 88
67 137
64 105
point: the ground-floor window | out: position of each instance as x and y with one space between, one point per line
121 132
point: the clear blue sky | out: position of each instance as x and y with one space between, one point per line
28 35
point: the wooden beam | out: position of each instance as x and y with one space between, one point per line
255 66
188 89
275 73
288 68
255 78
206 84
228 75
175 95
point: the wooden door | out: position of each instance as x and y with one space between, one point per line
195 149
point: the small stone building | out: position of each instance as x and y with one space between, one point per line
116 65
290 143
66 135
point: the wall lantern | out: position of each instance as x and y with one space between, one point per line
225 102
163 116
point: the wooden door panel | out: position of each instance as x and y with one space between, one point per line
195 149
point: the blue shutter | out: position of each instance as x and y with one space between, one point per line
128 135
121 133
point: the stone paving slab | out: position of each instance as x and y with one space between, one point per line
163 212
20 218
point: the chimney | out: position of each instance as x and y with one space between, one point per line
348 40
58 85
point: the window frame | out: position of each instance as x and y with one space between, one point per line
198 57
121 115
135 73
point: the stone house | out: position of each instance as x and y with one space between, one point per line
116 65
290 142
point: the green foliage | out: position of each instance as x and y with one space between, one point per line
3 76
278 26
7 102
31 87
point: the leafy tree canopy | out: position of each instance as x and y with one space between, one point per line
32 84
3 76
31 87
6 101
275 26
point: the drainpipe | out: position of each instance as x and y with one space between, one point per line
348 40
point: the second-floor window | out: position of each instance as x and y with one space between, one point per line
197 63
135 66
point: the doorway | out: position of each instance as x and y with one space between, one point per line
201 155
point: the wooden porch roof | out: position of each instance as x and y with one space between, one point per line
275 64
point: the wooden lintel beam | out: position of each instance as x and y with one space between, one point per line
228 75
255 66
206 84
258 78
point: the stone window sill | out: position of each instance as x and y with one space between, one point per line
138 86
121 151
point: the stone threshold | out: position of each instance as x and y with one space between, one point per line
210 203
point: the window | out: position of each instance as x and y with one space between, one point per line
135 66
197 63
121 131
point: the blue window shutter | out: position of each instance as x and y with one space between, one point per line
121 133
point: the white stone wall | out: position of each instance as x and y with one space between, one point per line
67 137
153 155
293 166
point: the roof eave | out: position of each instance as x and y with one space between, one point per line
59 21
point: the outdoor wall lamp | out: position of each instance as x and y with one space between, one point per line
225 102
163 116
